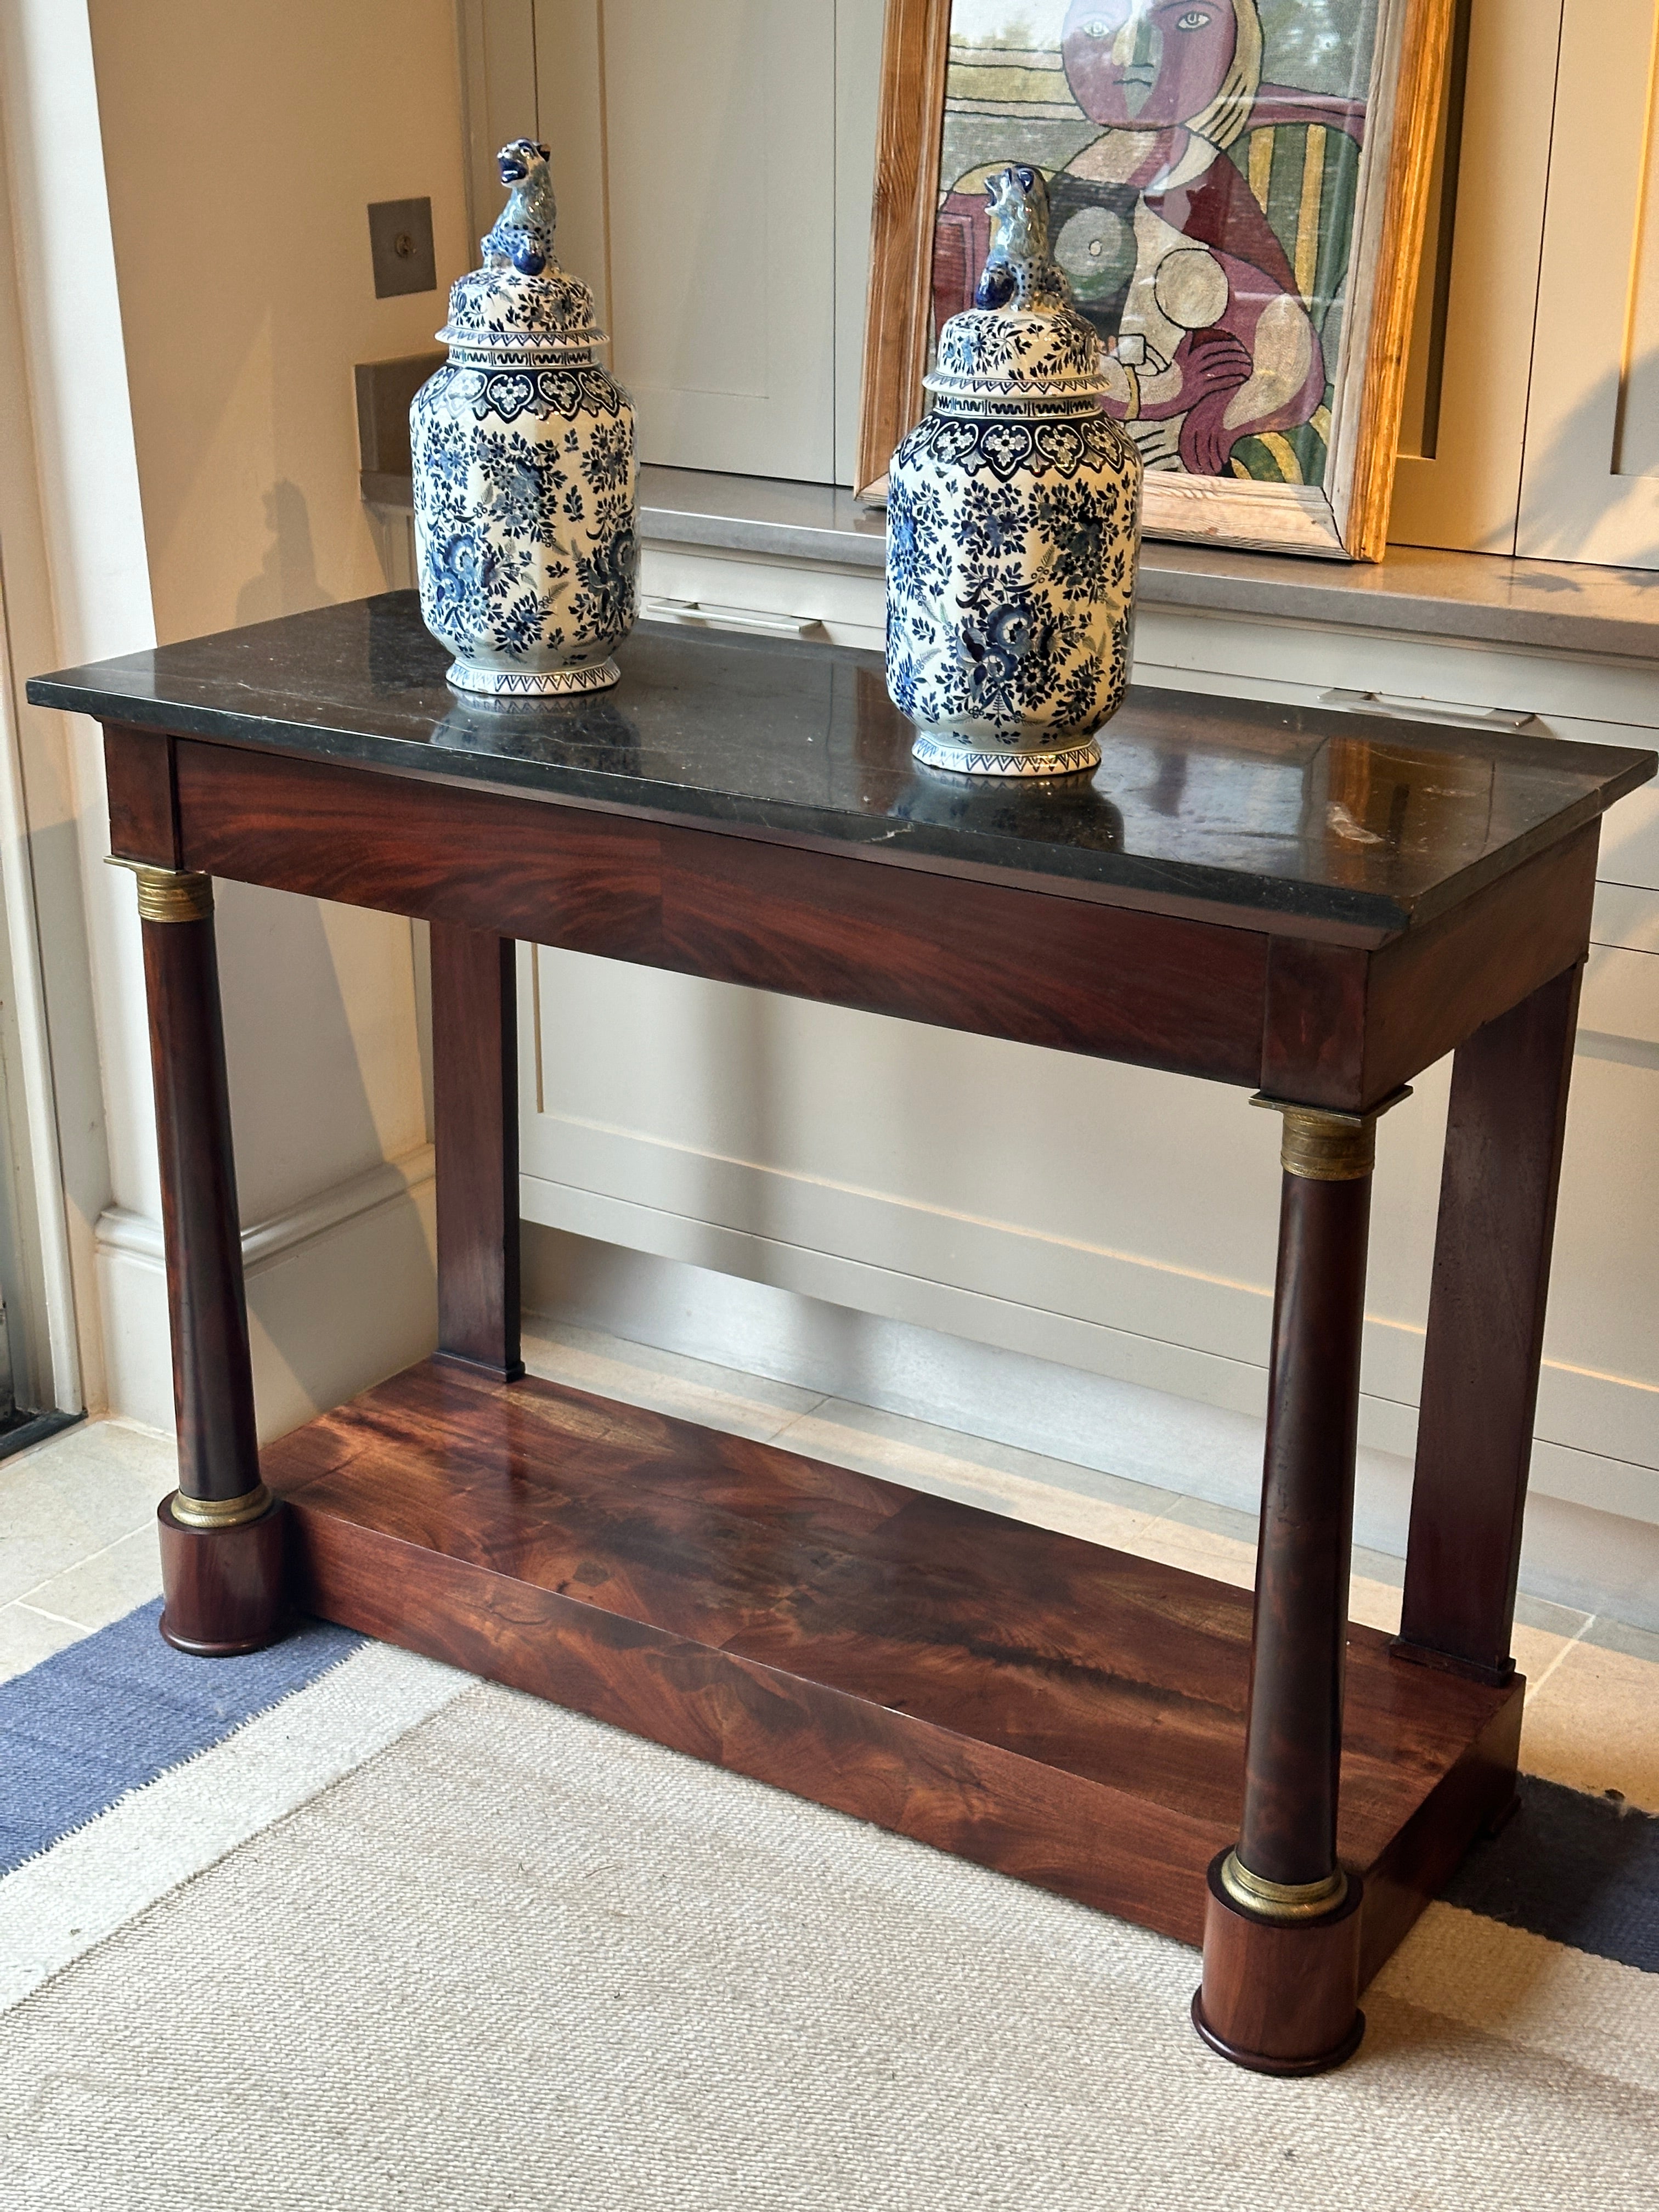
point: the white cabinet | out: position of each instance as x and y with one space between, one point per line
811 1147
720 173
1544 441
713 167
1589 483
1457 481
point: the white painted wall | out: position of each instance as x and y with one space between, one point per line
243 147
189 311
1589 487
76 586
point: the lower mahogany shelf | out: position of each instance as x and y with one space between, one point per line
1071 1715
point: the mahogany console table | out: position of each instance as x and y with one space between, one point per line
1309 906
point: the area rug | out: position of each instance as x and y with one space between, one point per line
117 1709
400 1939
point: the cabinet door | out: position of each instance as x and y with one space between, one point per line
714 167
1589 482
498 87
1457 482
720 131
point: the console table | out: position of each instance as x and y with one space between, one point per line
1309 906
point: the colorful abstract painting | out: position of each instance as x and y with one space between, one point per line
1202 158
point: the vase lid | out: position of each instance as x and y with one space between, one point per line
520 305
1024 340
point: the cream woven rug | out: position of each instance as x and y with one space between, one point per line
514 1960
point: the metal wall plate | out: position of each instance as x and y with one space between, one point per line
400 240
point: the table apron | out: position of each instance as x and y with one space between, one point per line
1114 983
1329 1024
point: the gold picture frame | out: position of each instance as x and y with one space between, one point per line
1331 496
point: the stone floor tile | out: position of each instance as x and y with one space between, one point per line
1614 1636
1220 1520
76 1494
1559 1619
27 1638
1374 1604
666 1381
104 1586
1379 1567
1537 1652
1200 1551
1594 1724
1139 1499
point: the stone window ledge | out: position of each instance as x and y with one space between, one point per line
1554 606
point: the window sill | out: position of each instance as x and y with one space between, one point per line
1552 606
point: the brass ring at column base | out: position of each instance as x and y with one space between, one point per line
219 1512
168 894
1323 1146
1281 1900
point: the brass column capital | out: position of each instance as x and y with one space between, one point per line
168 894
1324 1145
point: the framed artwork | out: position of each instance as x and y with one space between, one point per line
1238 191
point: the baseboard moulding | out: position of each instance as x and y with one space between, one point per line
341 1290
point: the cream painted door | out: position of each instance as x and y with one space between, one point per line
714 167
1589 483
1532 418
498 83
1457 481
720 145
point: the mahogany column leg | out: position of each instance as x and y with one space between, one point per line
1282 1937
1485 1334
475 1094
221 1530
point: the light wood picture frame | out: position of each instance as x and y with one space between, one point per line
1329 194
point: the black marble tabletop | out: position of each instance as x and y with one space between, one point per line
1364 824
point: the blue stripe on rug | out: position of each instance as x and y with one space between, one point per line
1580 1870
113 1712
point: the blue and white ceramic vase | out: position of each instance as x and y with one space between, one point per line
1013 524
525 479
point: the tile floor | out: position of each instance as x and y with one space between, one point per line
77 1544
77 1536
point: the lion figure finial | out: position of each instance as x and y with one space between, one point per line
523 232
1019 266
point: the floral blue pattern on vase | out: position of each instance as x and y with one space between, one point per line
1013 525
526 476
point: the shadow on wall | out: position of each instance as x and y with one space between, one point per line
317 983
315 986
287 583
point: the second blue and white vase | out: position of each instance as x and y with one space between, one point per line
1013 525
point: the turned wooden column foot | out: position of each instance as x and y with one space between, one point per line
1281 1931
221 1533
223 1587
1281 1996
